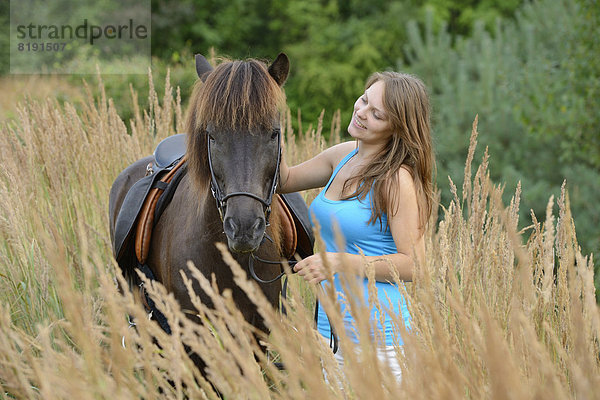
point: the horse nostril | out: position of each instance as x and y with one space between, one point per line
258 225
230 226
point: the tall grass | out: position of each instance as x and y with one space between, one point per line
493 317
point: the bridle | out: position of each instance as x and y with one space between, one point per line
222 198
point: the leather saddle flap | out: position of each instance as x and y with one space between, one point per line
145 223
299 213
132 207
288 228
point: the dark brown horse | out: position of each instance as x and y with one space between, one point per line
233 148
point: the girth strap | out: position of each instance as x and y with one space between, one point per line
154 312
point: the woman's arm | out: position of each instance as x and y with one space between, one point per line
313 173
408 237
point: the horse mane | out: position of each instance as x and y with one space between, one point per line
238 95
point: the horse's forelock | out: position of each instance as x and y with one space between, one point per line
239 95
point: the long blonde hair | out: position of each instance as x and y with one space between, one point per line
406 104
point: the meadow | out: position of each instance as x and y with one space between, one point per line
498 311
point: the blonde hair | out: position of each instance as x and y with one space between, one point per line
406 104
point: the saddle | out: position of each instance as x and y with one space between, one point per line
148 197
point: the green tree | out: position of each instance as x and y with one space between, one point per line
570 85
339 49
459 16
511 78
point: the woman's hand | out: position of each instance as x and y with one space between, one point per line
313 269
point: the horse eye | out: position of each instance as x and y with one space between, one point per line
274 134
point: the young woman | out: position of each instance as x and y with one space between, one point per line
377 193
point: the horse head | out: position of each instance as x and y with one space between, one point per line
234 145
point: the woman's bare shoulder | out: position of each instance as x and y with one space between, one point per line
402 189
336 153
405 176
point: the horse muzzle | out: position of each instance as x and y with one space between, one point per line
244 235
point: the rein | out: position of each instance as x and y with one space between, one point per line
253 257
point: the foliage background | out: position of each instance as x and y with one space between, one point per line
530 69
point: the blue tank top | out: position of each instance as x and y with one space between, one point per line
350 217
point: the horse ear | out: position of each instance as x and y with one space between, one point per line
202 67
280 68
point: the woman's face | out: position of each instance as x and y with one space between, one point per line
370 122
